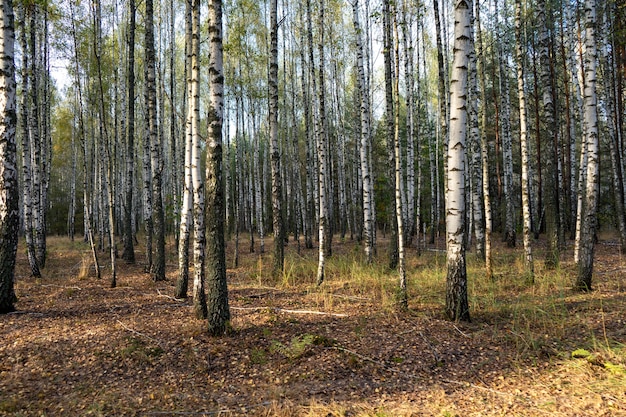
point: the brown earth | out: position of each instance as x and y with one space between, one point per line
75 347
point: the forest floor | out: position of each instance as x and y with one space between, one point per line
76 347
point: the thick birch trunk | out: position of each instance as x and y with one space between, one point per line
9 212
217 299
26 158
156 157
548 116
589 224
457 306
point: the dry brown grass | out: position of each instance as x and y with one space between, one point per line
77 347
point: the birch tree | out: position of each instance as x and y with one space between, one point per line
129 251
521 93
26 154
365 141
457 306
544 16
321 155
217 298
156 158
279 233
589 223
505 124
186 220
9 218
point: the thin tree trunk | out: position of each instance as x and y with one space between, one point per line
199 241
507 147
484 147
521 93
81 132
322 159
182 282
129 251
475 168
389 122
365 142
277 216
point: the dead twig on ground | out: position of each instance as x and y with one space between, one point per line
62 286
178 300
283 310
145 336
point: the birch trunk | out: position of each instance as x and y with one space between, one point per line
9 212
589 224
403 301
484 148
475 168
35 138
26 158
411 144
521 93
322 160
390 124
548 116
186 224
199 241
81 133
507 147
365 142
156 158
457 306
279 231
217 300
129 250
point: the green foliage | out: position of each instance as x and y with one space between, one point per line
299 345
137 349
581 353
258 356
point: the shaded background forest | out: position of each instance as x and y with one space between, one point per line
66 46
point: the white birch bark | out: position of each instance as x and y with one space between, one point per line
277 215
217 297
457 307
322 159
186 220
399 180
521 93
507 147
474 157
199 240
589 224
9 213
26 158
129 250
484 147
365 142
